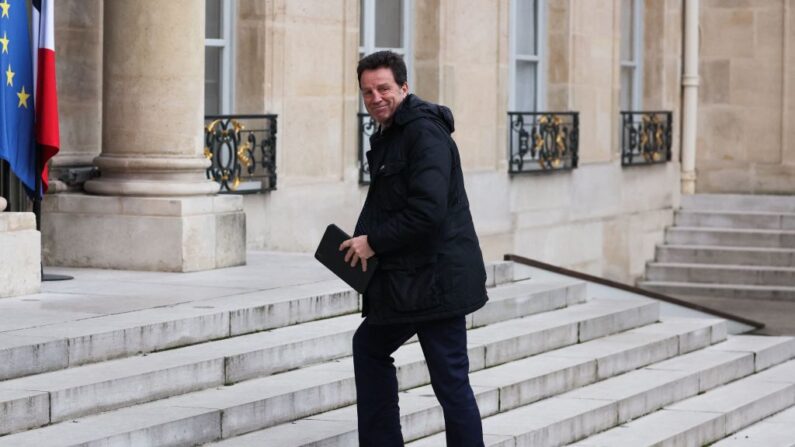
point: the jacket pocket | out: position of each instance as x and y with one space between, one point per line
392 188
413 289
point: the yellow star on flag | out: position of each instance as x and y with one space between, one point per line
5 5
23 98
4 41
10 76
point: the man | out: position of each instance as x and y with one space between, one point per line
416 219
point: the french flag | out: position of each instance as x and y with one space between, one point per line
45 95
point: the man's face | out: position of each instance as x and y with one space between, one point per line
381 93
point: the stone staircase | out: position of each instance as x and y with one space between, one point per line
550 366
728 246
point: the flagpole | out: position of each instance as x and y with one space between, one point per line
42 14
37 212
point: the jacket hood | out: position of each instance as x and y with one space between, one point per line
413 108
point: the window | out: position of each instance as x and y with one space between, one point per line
218 56
527 44
385 25
631 55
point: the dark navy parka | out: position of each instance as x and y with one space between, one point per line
417 220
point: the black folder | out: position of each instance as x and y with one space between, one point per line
329 254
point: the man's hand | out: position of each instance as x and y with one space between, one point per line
358 248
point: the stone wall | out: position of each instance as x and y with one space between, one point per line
559 39
662 60
600 218
470 78
789 86
595 70
297 59
306 47
252 35
745 126
427 49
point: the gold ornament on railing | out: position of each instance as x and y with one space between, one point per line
539 148
553 156
242 155
560 142
645 122
543 120
651 123
658 135
212 125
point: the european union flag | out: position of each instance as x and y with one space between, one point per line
17 144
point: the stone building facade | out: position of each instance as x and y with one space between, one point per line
297 59
746 128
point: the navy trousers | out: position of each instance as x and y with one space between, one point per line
444 345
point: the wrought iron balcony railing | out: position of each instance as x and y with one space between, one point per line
367 126
242 149
542 141
645 137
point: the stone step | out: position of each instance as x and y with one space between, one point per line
734 291
57 346
504 272
527 297
507 386
264 402
739 202
98 387
708 417
730 237
735 219
582 412
768 350
145 425
705 254
776 431
112 384
721 274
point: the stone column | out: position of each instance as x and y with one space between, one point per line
154 209
153 100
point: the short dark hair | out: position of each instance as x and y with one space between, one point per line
384 59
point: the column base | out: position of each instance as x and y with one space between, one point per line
688 183
151 176
150 188
20 273
167 234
